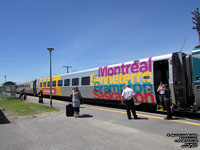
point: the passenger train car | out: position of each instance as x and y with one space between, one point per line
106 83
196 75
29 87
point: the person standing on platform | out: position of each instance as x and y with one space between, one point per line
76 98
22 93
167 102
129 97
161 90
40 94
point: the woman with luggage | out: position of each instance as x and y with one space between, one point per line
76 98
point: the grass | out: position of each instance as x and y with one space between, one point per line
19 108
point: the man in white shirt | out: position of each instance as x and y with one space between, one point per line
129 97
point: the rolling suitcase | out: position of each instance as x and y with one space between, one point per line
69 110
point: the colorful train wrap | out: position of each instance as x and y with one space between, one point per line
143 76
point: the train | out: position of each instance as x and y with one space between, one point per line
105 84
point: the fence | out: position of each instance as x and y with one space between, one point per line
7 91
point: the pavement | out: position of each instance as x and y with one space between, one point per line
98 128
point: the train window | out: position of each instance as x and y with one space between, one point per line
40 84
85 81
66 82
54 83
44 84
75 81
60 82
48 84
198 78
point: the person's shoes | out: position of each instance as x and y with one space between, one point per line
129 118
136 117
166 118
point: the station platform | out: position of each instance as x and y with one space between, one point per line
100 128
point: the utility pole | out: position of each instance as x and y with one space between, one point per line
67 68
5 78
196 21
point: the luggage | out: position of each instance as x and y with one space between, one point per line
24 97
69 110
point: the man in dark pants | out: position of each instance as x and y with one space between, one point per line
129 97
167 102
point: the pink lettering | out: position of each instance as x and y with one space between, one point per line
110 71
134 68
122 67
117 68
103 72
150 65
143 67
127 67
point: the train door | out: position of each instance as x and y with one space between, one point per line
180 79
161 74
34 88
196 75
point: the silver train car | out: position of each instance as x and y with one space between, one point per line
105 84
29 87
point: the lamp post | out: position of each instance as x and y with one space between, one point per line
50 50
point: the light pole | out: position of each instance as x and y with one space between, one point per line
67 68
50 50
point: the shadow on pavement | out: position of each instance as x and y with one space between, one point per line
85 116
3 118
140 118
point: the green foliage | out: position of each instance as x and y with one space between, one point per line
17 108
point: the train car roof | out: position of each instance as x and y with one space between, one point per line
154 58
21 83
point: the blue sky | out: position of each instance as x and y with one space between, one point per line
89 33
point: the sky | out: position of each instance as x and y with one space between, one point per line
87 34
